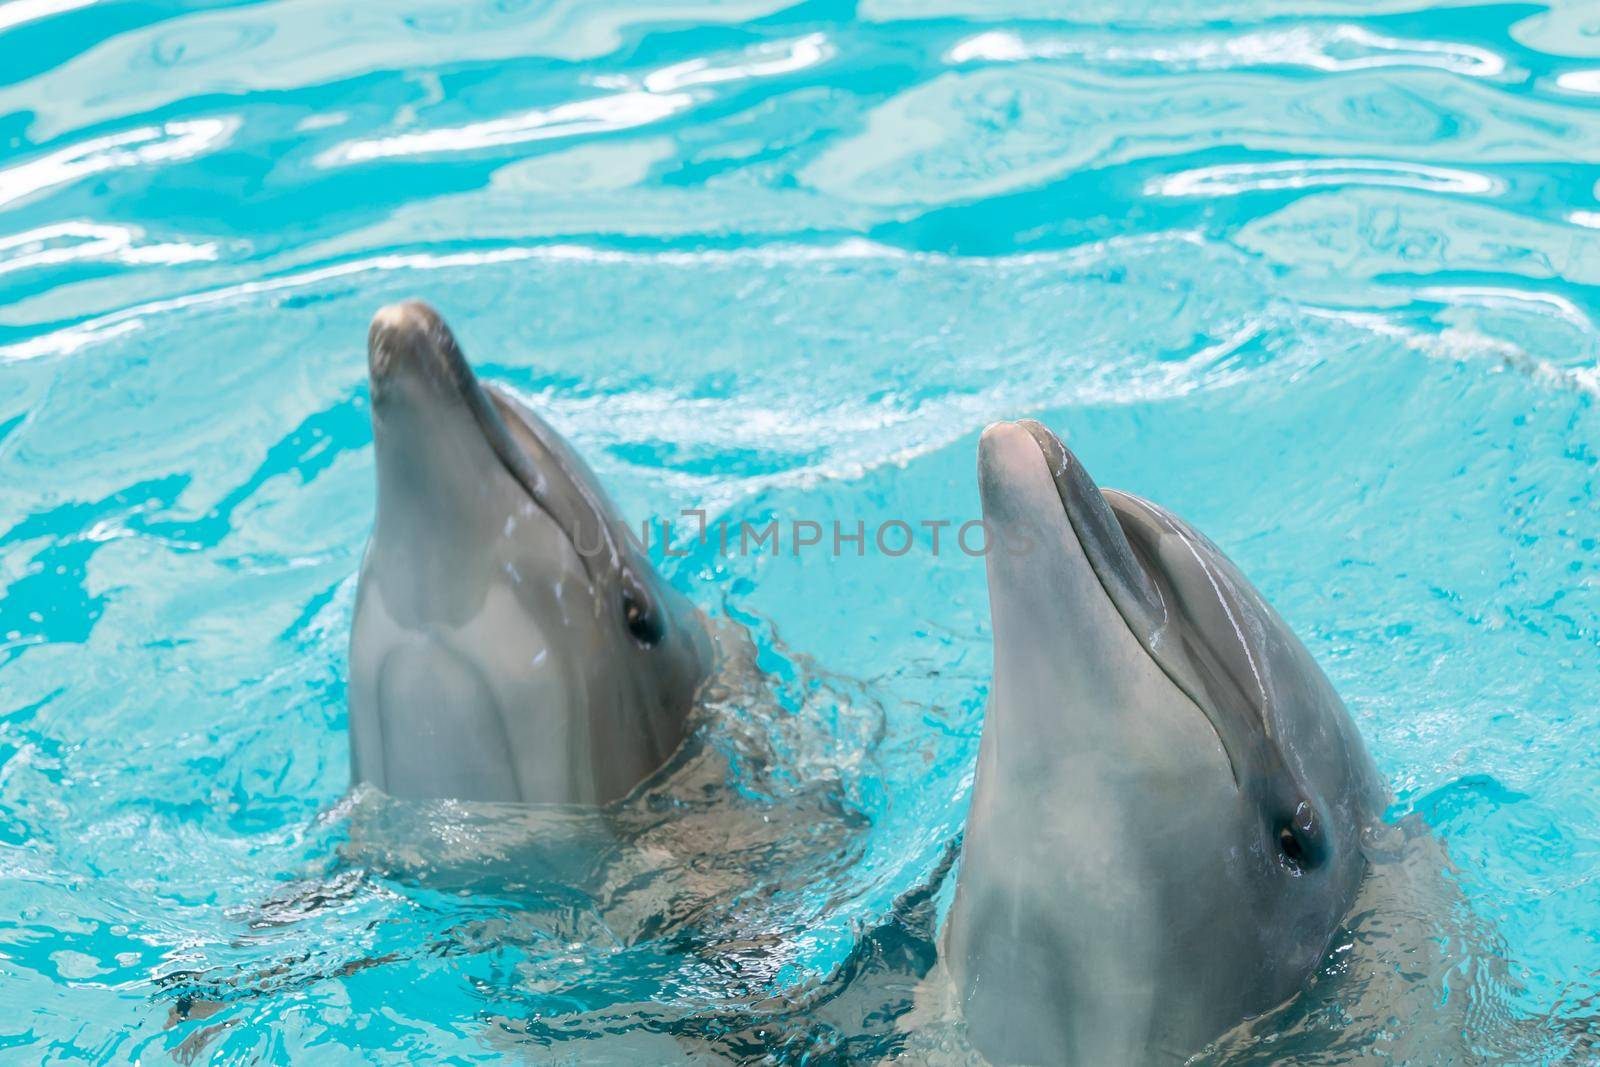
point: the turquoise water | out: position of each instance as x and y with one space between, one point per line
1319 275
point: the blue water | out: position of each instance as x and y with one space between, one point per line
1319 275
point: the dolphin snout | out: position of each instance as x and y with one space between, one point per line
1009 462
1004 445
996 435
410 338
1026 473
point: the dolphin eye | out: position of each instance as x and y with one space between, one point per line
642 620
1300 845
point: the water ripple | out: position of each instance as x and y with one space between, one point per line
618 111
1326 48
167 143
1231 179
1366 233
72 242
284 44
118 323
988 132
660 95
763 61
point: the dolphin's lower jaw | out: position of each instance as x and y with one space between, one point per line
1121 896
491 659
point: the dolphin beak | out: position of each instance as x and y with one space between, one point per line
1007 454
422 384
410 341
431 415
1088 571
1006 450
1125 577
1068 671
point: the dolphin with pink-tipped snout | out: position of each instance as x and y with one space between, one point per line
510 643
1166 820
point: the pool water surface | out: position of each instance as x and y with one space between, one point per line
1320 276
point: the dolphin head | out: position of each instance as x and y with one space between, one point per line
510 642
1166 817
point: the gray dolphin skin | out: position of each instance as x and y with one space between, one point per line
509 643
1170 799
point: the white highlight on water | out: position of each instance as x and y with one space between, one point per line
166 143
19 11
660 95
1580 81
1332 48
764 61
618 111
71 242
1234 178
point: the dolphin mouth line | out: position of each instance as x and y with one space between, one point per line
1093 549
491 424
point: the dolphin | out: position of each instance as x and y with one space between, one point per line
1167 816
509 642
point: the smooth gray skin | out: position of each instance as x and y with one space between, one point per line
509 643
1167 816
